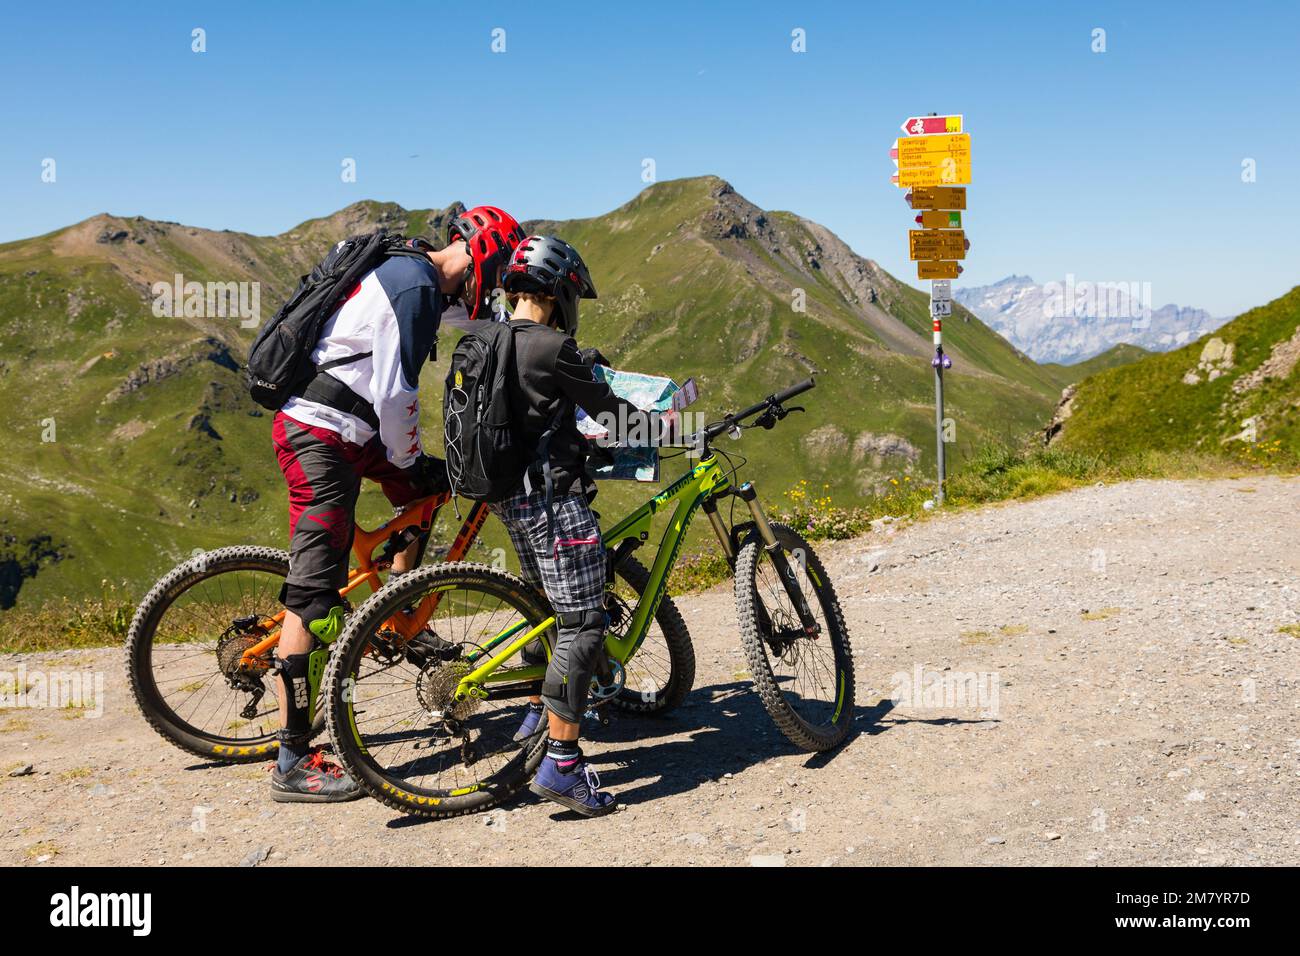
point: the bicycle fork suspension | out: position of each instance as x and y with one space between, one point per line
780 562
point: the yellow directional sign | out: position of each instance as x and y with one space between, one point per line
940 220
936 243
942 159
939 197
928 269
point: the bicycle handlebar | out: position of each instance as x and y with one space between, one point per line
772 401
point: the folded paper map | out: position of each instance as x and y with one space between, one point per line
650 393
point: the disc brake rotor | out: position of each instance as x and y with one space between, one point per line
783 636
620 615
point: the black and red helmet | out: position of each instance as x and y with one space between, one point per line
547 265
490 234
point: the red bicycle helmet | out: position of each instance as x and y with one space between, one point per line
491 235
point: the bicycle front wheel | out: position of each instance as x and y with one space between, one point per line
805 681
391 709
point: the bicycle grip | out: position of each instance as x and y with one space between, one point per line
793 390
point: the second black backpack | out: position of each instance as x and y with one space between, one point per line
279 363
485 461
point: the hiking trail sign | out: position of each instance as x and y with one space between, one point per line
933 163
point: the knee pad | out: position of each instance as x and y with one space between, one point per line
321 609
568 679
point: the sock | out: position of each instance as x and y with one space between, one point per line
291 751
566 754
535 708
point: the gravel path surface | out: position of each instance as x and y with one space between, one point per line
1139 705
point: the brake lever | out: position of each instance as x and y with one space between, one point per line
775 412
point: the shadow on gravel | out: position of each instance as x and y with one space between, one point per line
729 732
218 764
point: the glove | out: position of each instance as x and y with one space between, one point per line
592 358
429 475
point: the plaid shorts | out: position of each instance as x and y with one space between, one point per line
570 567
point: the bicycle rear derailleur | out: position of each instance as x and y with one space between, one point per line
243 633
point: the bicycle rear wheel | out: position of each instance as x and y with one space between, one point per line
661 673
184 654
391 715
805 682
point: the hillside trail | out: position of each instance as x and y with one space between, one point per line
1141 708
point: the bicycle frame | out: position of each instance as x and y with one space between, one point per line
693 490
366 545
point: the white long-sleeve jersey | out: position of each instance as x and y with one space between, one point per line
393 314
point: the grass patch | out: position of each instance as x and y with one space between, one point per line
100 621
978 638
44 848
1013 630
1101 615
697 571
1292 629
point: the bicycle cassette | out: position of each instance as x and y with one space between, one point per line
435 689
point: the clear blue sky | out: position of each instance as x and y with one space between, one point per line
1124 165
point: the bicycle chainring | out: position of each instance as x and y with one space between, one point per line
602 692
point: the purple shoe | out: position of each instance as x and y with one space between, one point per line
573 784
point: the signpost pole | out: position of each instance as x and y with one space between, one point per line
938 407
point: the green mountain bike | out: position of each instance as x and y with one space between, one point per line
437 740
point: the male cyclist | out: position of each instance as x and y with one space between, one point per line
557 536
359 418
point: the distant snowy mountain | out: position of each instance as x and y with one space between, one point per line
1070 321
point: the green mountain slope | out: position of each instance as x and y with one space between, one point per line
1113 357
130 442
1235 392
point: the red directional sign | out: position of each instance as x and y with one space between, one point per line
929 125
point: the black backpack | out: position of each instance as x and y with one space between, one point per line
279 363
485 461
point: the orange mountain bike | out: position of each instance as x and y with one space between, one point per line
199 649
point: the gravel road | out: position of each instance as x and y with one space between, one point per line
1092 678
